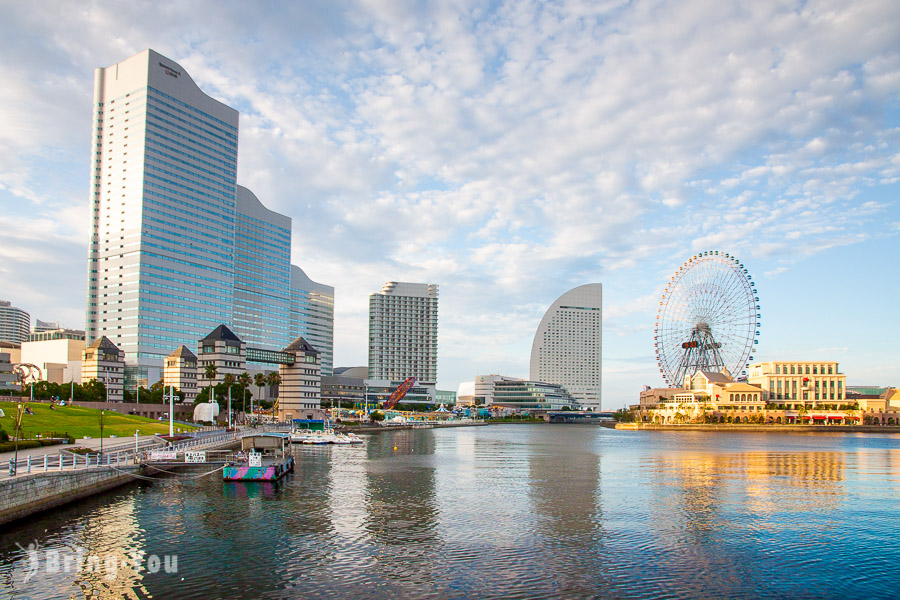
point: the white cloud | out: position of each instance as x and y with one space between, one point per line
513 150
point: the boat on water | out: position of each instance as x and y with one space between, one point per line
320 432
263 457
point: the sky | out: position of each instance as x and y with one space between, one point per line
509 152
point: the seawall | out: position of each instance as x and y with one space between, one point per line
28 494
758 428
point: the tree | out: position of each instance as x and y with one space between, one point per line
211 372
273 379
376 415
244 380
259 380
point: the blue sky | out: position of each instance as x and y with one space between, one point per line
508 151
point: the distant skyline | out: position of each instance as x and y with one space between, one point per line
508 153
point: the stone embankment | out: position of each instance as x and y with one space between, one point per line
742 428
28 494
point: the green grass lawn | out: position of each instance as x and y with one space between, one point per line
79 422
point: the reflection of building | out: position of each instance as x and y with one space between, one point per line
403 332
520 394
181 372
804 383
312 315
15 323
105 362
57 353
567 345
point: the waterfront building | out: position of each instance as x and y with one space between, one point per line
403 333
181 372
465 393
521 394
312 315
57 353
60 333
262 274
15 323
224 350
174 239
445 397
301 382
568 342
812 384
105 362
14 349
350 385
8 380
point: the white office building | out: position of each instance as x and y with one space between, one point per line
177 247
15 323
312 316
567 345
403 332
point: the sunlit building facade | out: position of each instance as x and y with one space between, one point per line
177 247
403 332
568 342
15 323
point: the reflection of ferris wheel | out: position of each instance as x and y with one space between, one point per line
708 318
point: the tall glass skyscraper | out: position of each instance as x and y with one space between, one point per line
568 342
177 247
403 332
312 316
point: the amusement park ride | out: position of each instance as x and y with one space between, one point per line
708 319
398 394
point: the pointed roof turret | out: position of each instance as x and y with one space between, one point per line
301 344
222 333
184 352
104 343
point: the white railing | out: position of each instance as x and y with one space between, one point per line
112 457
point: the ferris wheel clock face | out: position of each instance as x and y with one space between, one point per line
708 318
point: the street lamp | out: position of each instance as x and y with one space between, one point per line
101 433
20 412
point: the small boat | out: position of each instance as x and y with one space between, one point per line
263 457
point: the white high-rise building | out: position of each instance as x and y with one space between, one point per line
312 316
15 323
567 345
403 332
177 247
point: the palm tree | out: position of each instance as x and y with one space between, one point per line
211 372
259 380
273 379
229 380
244 380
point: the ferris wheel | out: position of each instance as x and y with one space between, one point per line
708 318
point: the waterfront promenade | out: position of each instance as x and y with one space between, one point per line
758 428
47 480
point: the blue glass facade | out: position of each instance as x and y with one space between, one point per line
177 247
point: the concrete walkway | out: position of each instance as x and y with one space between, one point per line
114 444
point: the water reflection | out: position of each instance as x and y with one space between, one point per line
522 511
402 510
564 485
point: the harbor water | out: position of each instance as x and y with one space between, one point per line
504 511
